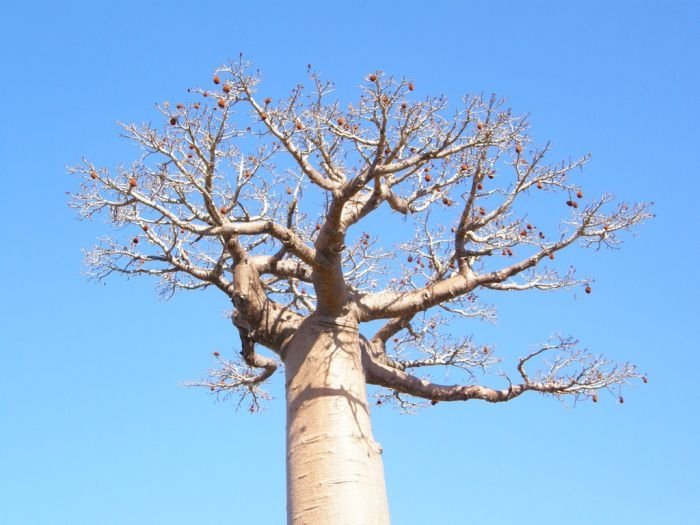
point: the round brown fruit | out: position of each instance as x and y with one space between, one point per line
132 182
173 121
263 116
479 186
216 354
226 88
411 87
135 240
145 227
594 398
539 185
93 174
298 125
551 256
518 149
479 126
222 103
216 79
428 178
267 101
579 194
588 289
373 78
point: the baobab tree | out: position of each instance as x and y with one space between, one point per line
266 200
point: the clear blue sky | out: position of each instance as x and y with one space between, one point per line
94 428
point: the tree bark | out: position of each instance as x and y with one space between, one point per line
335 474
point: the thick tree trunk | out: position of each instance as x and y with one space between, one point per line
335 474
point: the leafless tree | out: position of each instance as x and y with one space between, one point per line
265 200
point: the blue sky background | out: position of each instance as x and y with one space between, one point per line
94 428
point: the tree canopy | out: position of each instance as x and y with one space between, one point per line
270 202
